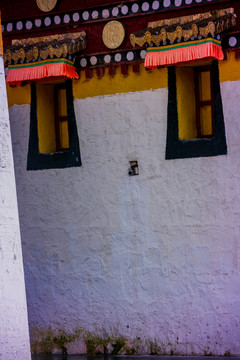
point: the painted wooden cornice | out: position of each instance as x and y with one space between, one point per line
108 12
53 46
185 28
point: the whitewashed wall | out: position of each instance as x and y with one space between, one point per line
14 337
154 257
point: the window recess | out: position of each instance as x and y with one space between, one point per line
195 125
204 102
195 102
61 119
52 117
53 139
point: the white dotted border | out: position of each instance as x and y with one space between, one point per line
120 10
106 59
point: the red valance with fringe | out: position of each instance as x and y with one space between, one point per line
50 68
205 49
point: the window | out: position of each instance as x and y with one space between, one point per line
53 139
61 120
194 102
52 117
195 117
204 101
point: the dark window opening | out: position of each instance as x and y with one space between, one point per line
61 120
204 101
53 138
195 125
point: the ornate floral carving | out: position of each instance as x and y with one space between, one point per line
179 32
148 37
194 30
163 35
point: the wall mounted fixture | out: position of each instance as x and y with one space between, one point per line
133 170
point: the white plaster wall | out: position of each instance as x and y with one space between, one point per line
14 337
151 257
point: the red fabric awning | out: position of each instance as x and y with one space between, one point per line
205 49
60 68
185 39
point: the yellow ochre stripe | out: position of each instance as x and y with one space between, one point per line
39 63
185 44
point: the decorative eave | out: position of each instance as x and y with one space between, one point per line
186 39
190 18
165 32
42 48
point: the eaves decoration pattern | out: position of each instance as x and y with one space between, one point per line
187 27
53 46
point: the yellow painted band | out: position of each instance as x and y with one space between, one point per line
107 85
229 70
18 95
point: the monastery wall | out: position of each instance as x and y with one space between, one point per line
14 336
142 264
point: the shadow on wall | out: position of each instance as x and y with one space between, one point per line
97 357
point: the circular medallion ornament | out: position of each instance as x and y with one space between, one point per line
232 41
113 34
46 5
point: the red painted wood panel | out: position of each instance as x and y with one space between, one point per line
18 9
11 10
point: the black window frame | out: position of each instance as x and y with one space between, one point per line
60 159
200 147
